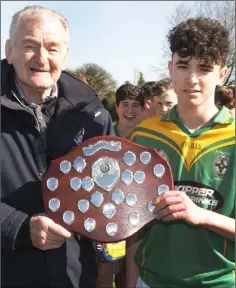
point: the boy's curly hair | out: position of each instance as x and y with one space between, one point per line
225 96
129 91
163 86
202 38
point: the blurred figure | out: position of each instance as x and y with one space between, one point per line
147 93
165 97
225 96
159 98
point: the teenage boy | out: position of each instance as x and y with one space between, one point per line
159 98
191 244
128 107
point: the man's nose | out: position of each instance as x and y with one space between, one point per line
41 55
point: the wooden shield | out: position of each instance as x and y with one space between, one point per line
103 189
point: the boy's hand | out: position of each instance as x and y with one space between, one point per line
175 205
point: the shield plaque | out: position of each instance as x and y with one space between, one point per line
103 189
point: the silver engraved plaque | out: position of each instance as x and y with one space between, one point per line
159 170
79 164
52 184
83 205
68 217
162 189
131 199
90 224
139 177
75 183
150 207
102 145
65 166
134 219
97 199
54 204
109 210
118 196
145 157
111 229
127 177
106 172
129 158
87 184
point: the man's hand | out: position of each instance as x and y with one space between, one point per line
174 205
46 234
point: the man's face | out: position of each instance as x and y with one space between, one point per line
194 81
38 52
129 111
164 102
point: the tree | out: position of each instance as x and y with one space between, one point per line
98 78
223 11
141 80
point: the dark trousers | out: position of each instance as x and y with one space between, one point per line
106 272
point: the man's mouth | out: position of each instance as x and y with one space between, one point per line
39 70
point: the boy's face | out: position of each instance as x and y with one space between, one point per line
128 111
164 102
194 80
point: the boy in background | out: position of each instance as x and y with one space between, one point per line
159 98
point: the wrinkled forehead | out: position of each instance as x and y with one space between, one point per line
46 29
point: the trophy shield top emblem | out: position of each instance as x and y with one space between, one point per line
103 189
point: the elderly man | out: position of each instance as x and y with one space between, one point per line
45 113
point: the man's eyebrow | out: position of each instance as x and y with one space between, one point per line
30 39
34 40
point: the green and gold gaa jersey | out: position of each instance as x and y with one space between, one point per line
176 254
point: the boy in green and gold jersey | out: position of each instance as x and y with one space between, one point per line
191 244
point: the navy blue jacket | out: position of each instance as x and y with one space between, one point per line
25 156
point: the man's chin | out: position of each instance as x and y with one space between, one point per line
42 84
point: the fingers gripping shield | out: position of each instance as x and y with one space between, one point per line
103 189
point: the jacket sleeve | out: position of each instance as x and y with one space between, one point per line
14 228
108 126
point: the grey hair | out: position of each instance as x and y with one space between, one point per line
35 12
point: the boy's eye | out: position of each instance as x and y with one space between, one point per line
206 69
182 67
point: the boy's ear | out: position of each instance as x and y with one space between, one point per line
223 73
147 104
170 67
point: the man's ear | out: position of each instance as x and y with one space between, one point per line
8 51
170 64
116 107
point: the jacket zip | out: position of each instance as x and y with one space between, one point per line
31 112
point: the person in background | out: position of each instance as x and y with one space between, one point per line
45 113
225 96
128 105
159 97
192 241
111 269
